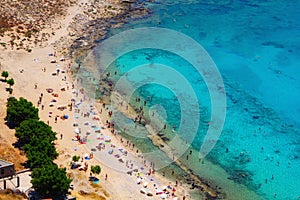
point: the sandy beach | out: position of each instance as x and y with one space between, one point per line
44 71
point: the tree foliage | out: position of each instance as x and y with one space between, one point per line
34 129
50 181
4 74
75 158
38 151
37 159
95 169
41 146
10 82
19 110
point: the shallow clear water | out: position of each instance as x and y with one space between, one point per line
256 46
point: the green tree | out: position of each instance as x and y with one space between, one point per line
75 158
19 110
4 74
50 181
37 159
40 146
95 169
34 129
10 82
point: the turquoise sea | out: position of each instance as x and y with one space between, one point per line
256 47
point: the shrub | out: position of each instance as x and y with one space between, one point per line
10 82
95 169
4 74
75 158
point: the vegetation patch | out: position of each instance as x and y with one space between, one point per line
36 139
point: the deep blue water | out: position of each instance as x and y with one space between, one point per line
256 47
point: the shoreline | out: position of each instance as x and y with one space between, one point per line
214 188
22 65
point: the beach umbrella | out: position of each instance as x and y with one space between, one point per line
111 151
163 196
77 131
139 180
145 184
107 138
